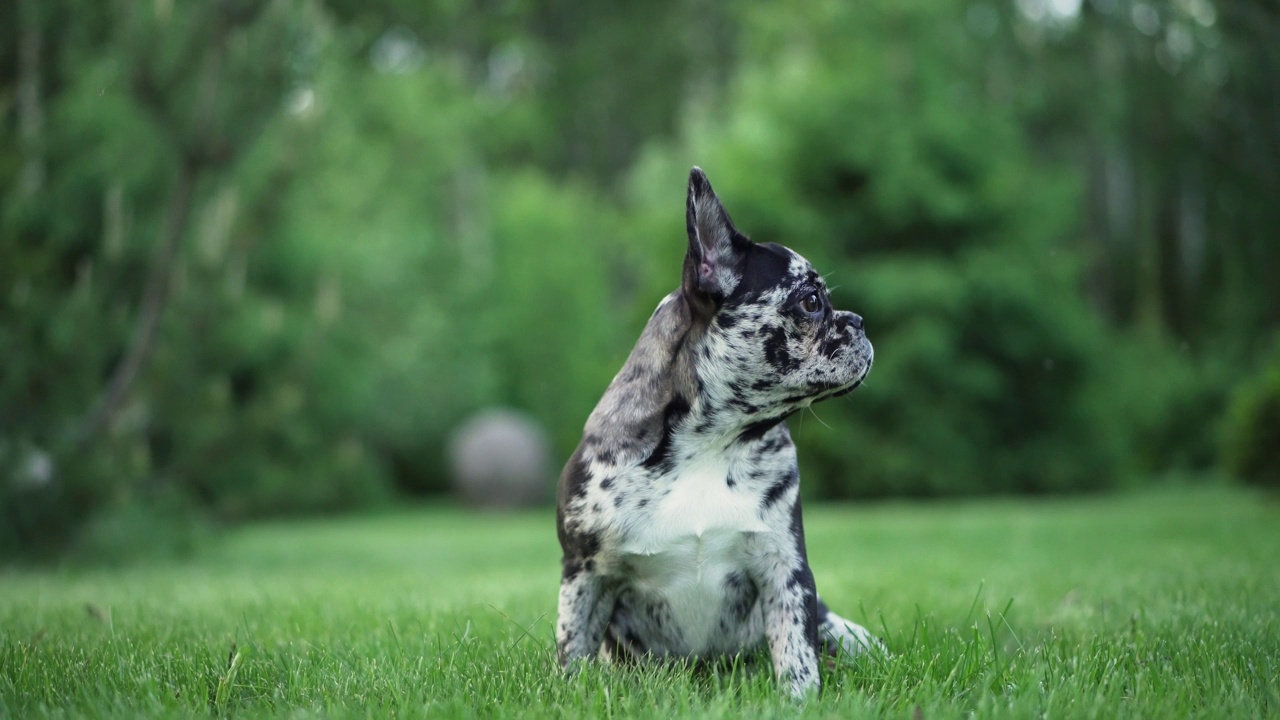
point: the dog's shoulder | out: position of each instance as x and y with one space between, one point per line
654 390
627 429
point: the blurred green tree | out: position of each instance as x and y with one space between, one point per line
145 118
260 258
1251 432
870 138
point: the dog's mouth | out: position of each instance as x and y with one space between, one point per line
828 392
854 386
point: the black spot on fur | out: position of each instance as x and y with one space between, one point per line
776 490
577 474
656 613
773 445
741 595
797 577
801 580
588 543
757 429
579 548
573 487
832 345
633 639
763 267
570 567
672 415
775 350
797 524
606 483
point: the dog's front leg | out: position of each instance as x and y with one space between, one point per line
586 605
790 604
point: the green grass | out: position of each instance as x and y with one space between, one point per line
1154 605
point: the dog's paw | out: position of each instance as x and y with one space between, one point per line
802 680
848 641
571 666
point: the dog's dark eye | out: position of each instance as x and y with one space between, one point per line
811 304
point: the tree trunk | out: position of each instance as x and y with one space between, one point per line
154 300
194 157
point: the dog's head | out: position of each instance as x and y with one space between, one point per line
771 343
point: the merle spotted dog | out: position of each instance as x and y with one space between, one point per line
679 513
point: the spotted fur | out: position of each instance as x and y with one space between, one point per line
679 513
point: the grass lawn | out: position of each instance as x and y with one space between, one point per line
1155 605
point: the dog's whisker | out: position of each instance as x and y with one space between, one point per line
816 417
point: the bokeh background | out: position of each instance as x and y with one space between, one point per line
264 258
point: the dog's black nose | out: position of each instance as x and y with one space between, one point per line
856 321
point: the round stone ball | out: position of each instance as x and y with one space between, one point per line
499 459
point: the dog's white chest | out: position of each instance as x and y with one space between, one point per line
696 513
694 538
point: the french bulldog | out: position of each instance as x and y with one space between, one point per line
679 512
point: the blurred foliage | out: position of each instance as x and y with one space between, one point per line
262 258
919 197
1251 433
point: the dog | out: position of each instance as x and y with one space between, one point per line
679 512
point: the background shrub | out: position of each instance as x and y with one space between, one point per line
324 233
1251 433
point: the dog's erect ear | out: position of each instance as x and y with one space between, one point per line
711 267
